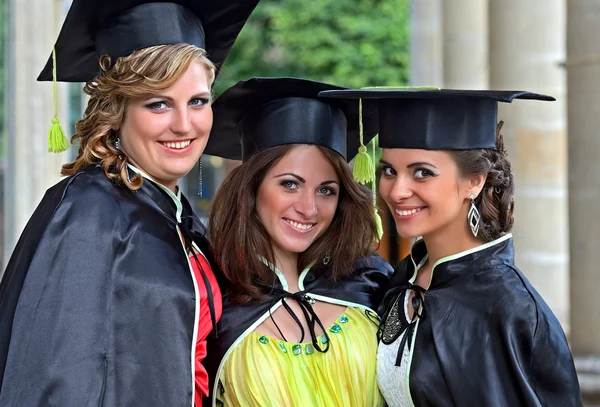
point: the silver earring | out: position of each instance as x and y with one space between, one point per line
326 259
118 143
200 177
473 217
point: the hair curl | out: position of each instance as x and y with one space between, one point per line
142 73
496 200
238 236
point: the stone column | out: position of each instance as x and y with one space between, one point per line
465 44
33 29
583 109
426 49
527 48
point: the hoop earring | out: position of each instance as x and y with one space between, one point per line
326 259
473 217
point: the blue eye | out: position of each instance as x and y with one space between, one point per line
327 191
157 105
199 101
289 185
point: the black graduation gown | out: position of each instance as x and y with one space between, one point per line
486 337
363 289
97 304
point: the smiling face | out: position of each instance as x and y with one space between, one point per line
164 134
297 199
425 192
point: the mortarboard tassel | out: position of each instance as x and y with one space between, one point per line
363 170
378 221
57 142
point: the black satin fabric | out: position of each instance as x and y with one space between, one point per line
486 337
97 304
365 287
94 27
294 120
443 119
147 25
258 113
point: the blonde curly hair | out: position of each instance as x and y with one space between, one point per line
143 72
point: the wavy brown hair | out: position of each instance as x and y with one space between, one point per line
140 74
496 201
239 238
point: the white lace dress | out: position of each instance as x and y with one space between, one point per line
392 379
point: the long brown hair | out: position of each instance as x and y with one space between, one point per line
239 238
143 72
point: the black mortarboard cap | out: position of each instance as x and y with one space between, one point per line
116 28
259 113
442 119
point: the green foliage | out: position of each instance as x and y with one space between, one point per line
350 43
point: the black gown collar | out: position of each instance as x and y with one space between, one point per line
449 268
167 200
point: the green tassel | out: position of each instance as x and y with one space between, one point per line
379 224
378 221
363 170
57 141
363 166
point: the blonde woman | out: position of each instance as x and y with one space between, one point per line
110 293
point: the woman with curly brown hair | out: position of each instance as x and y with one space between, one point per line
110 293
294 235
461 325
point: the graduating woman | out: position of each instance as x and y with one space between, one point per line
461 324
110 293
294 235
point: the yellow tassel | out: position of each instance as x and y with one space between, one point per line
378 221
363 169
379 224
57 141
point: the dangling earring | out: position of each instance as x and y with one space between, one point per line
326 259
200 177
473 217
118 143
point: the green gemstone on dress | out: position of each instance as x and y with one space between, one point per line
296 350
310 349
263 339
324 339
343 319
282 346
335 328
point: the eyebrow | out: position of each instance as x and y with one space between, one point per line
302 180
170 99
420 164
412 165
289 174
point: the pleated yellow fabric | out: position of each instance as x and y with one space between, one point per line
263 371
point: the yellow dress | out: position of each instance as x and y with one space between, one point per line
266 372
